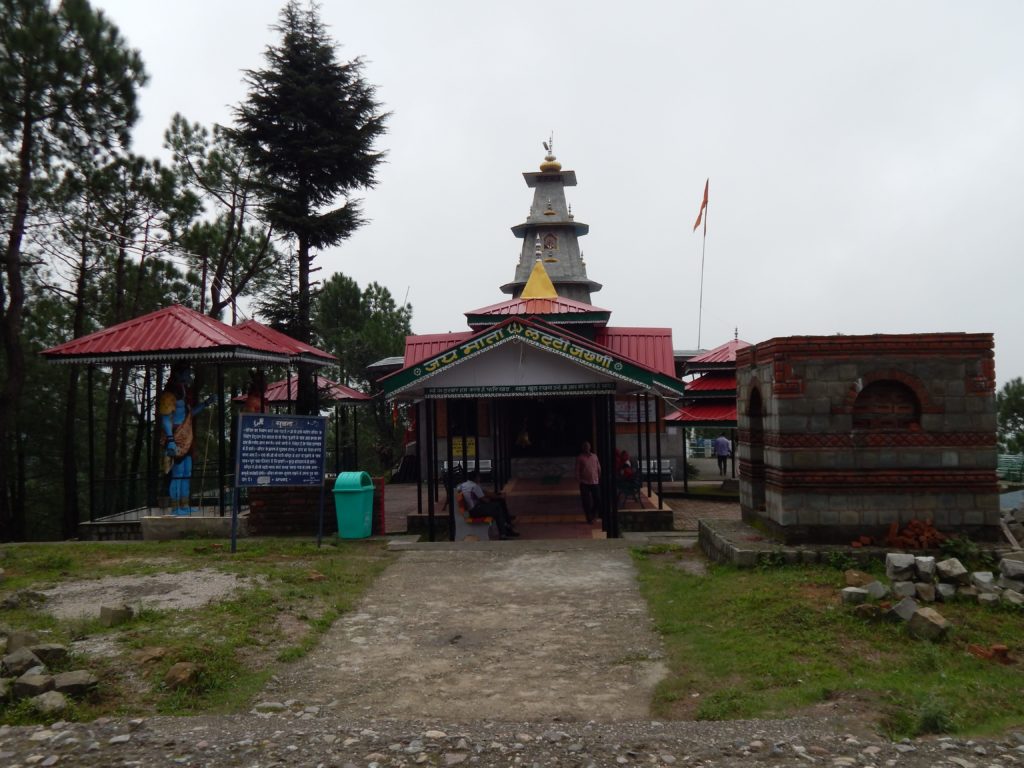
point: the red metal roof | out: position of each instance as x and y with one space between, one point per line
555 306
723 381
251 329
652 347
705 413
278 392
634 345
420 347
726 353
173 333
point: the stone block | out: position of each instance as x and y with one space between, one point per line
925 591
29 685
877 590
945 592
928 624
184 674
1014 584
19 662
899 566
967 593
848 517
889 459
112 615
76 683
904 609
808 556
950 459
855 578
853 595
904 589
955 405
952 571
49 703
1011 569
50 654
988 598
925 567
1012 597
984 581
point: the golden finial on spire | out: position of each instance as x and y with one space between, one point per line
550 164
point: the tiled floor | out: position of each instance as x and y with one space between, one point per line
552 511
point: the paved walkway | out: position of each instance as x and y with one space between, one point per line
495 630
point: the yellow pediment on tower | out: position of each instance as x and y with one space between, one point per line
539 286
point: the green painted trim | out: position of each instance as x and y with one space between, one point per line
582 354
526 390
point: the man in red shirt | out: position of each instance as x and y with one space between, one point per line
588 475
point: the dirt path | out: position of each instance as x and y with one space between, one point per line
509 630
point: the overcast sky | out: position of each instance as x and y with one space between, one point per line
866 158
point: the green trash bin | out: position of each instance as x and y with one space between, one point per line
353 503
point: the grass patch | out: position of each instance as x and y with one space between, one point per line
772 642
301 590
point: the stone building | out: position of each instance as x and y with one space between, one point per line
842 436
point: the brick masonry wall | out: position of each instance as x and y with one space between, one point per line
824 478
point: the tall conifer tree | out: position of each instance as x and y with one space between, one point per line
67 86
309 125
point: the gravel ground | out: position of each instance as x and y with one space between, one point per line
497 653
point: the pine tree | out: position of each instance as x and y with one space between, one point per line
308 126
67 86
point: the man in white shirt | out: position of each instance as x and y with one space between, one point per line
723 450
481 503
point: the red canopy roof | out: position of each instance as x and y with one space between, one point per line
285 391
651 347
173 333
420 347
723 356
705 414
251 329
539 306
724 381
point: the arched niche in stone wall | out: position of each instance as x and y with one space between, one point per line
886 405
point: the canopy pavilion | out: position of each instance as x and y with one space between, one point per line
710 400
537 375
161 338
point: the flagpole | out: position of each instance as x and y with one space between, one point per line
704 242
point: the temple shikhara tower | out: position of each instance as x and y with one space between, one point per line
551 233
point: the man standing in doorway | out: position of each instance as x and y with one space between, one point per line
723 449
588 475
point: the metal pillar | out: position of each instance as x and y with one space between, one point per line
657 445
222 453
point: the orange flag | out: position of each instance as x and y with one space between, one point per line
703 205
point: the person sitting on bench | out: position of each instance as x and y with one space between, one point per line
481 503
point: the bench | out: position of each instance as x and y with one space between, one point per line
470 528
627 488
485 467
656 468
1010 467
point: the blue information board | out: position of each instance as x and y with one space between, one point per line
280 449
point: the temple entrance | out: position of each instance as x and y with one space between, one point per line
549 427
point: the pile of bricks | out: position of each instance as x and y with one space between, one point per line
917 534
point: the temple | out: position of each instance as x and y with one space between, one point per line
536 375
